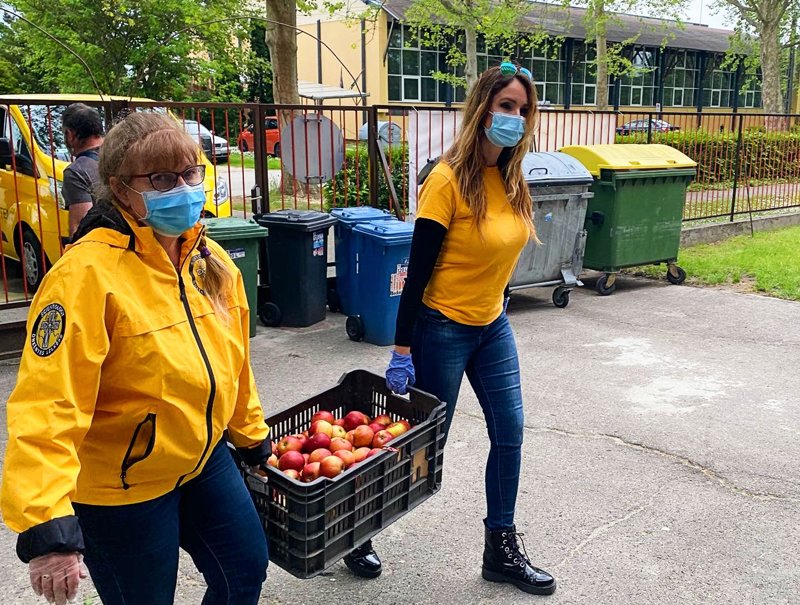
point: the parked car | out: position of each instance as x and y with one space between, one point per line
35 223
645 125
215 148
272 133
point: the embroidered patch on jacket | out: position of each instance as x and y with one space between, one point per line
48 330
197 269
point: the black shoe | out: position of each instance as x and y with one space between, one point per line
504 562
364 561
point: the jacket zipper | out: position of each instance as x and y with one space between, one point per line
212 379
126 462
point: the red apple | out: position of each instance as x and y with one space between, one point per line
354 419
381 438
319 455
383 419
406 424
338 431
316 441
305 457
323 415
376 426
362 436
361 453
310 472
349 436
339 422
292 473
301 438
348 457
373 451
321 426
340 444
331 466
275 447
273 461
396 429
291 459
289 444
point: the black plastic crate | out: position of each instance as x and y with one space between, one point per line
311 526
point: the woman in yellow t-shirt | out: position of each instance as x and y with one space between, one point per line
474 219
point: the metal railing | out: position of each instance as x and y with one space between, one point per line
318 157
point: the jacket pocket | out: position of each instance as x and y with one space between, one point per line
140 447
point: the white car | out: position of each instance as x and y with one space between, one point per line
216 148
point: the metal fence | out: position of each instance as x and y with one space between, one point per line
317 157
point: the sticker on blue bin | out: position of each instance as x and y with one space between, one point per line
318 243
398 279
236 253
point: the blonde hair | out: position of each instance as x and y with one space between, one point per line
465 156
144 142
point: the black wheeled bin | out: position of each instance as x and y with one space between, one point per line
241 240
297 253
559 186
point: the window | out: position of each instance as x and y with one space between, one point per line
411 64
639 86
718 88
750 93
680 79
584 75
547 66
22 156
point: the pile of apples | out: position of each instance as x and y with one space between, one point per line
330 445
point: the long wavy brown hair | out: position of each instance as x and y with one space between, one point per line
465 156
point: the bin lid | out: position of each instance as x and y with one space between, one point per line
301 220
629 157
221 229
551 168
360 214
392 232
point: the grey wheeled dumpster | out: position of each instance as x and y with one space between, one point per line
559 185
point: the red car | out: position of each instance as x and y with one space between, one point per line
271 132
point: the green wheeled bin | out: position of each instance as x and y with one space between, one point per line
241 240
636 213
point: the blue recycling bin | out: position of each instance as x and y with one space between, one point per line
343 298
383 248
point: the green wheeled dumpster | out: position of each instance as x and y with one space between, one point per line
241 240
635 215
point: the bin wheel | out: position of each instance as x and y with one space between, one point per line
561 297
270 315
602 286
334 304
676 278
355 328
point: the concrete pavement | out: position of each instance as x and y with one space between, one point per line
661 457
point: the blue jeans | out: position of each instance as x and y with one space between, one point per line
442 351
132 550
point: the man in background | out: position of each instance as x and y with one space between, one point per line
83 135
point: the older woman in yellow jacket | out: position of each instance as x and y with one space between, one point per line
137 360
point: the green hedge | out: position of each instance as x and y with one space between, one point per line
765 156
350 186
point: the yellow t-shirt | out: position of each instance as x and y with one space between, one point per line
473 269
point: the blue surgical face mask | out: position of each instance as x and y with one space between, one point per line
172 212
506 130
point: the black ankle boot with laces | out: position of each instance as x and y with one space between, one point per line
504 562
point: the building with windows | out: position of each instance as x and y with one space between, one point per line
675 68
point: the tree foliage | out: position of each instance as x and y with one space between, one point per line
140 47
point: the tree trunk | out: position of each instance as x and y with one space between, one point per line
282 43
601 86
771 72
471 44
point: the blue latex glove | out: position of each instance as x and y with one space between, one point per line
400 373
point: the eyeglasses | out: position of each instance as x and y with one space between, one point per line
507 68
164 180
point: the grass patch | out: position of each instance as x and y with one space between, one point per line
247 160
767 263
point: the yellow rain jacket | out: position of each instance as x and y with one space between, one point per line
127 382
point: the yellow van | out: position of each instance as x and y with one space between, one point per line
35 223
